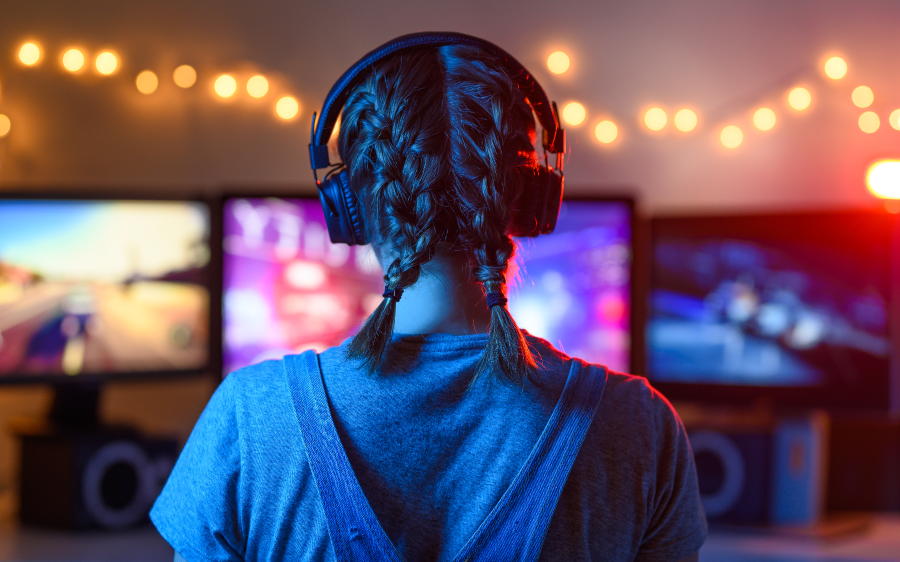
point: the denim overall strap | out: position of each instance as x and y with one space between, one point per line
355 532
515 530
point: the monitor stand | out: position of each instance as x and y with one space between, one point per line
75 406
74 409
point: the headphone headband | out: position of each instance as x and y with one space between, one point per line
553 138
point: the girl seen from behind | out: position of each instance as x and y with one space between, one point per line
440 431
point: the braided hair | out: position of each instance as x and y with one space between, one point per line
436 143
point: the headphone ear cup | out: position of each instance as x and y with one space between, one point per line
524 215
538 208
548 210
353 224
329 196
343 215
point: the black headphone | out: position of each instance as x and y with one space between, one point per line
343 212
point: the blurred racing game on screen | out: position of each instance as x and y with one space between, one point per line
287 288
102 286
771 300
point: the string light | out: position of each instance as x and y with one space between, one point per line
883 179
894 119
764 119
257 86
73 60
835 68
655 118
106 63
29 54
184 76
731 136
606 131
573 113
862 96
685 120
869 122
799 98
558 62
147 82
225 86
287 107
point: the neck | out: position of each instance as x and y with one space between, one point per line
445 300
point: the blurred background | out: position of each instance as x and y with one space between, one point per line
699 132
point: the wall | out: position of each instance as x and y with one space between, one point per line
722 58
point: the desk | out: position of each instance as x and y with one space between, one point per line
142 544
27 544
880 542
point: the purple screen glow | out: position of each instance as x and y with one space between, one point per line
287 288
574 286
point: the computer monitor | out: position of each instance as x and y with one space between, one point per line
797 309
287 288
93 289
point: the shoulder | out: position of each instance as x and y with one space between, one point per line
629 406
254 397
551 360
632 392
259 373
627 399
634 418
254 381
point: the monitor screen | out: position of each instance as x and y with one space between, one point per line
792 301
574 285
287 288
97 287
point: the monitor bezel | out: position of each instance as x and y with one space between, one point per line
213 282
783 398
611 195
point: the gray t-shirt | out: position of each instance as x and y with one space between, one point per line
432 459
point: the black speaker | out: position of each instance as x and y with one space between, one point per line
103 478
733 475
764 474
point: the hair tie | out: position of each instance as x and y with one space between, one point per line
394 293
494 298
